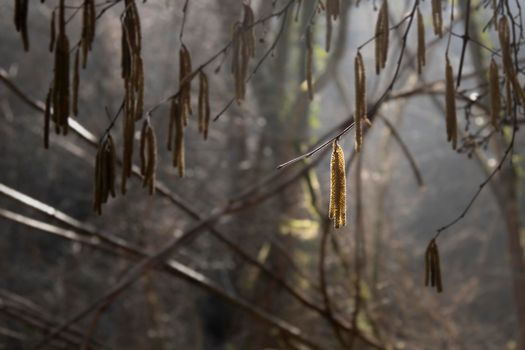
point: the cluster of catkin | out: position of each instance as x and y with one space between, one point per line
133 75
105 171
243 49
381 37
337 207
432 267
148 156
21 8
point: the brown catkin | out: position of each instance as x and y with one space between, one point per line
204 104
382 37
421 48
309 63
508 65
88 29
151 143
76 82
178 150
185 71
52 32
360 100
243 49
105 165
495 101
61 76
437 17
47 117
21 9
432 267
337 207
450 99
142 148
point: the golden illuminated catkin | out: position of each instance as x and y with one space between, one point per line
337 207
382 37
450 99
360 100
495 101
309 62
204 104
421 49
432 267
88 28
76 82
21 9
437 17
61 76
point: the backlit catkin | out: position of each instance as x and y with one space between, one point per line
337 207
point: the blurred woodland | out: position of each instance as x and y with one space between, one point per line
285 174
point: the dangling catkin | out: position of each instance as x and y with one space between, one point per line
360 100
47 117
337 207
495 102
432 267
52 33
437 17
185 71
421 52
148 156
508 65
204 104
21 8
88 29
309 62
178 150
243 49
382 37
61 76
76 82
104 173
450 99
332 12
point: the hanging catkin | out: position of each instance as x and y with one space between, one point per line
508 65
148 156
204 104
381 37
337 207
47 117
88 29
105 171
495 101
450 99
437 17
178 124
332 12
21 8
360 100
421 50
61 76
185 77
76 82
52 33
133 75
243 49
309 62
432 267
